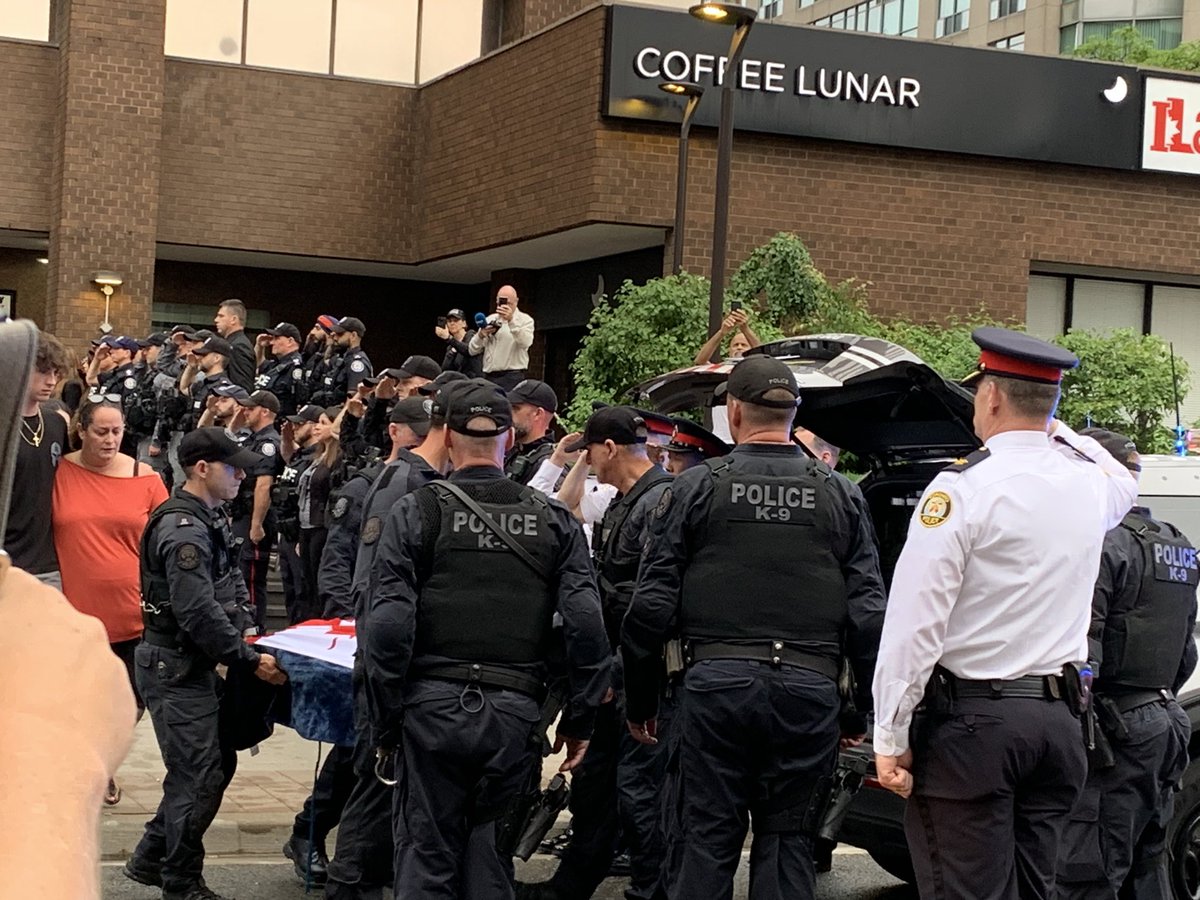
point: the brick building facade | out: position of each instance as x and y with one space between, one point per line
305 193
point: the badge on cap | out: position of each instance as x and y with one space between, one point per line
935 510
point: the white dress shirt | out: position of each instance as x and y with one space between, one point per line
592 505
508 349
995 580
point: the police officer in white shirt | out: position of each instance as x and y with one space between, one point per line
990 600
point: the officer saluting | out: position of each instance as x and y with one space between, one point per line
194 607
770 571
282 372
466 581
991 598
1142 651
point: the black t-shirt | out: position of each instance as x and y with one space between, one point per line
29 538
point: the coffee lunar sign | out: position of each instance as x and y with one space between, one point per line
896 92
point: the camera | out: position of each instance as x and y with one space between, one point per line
441 321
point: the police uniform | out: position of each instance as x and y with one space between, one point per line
458 631
345 371
990 599
124 383
255 558
362 862
205 384
769 569
284 377
524 460
1142 651
285 498
194 610
610 792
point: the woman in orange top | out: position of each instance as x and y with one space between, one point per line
102 502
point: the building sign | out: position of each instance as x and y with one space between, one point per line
895 92
1171 126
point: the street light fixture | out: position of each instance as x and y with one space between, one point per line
741 18
693 92
107 281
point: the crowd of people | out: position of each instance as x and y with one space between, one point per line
707 624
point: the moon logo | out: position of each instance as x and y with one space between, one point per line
1118 92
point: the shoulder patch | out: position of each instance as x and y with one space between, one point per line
971 459
358 366
184 520
188 557
267 449
130 383
664 504
935 510
298 374
339 508
371 530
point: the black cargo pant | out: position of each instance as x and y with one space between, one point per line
362 861
1115 841
994 783
183 698
749 735
291 574
467 755
324 807
254 560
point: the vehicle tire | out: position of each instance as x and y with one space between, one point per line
1184 841
895 863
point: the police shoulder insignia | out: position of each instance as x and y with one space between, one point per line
664 504
267 449
935 510
298 374
339 508
188 557
371 529
971 459
130 383
357 366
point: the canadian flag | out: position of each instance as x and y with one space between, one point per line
330 640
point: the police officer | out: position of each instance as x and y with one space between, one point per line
193 602
281 371
1142 651
770 571
318 351
113 374
203 372
690 445
348 368
297 449
990 601
362 862
534 405
609 790
459 620
143 411
254 524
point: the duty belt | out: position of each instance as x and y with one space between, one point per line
155 639
775 653
1126 702
485 675
1035 687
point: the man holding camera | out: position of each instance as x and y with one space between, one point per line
504 341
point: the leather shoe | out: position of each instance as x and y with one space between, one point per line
309 861
143 872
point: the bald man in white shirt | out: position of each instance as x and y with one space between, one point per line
991 599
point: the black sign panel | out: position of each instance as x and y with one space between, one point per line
896 92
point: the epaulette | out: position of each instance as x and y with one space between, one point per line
971 459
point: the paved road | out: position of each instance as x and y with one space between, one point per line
854 877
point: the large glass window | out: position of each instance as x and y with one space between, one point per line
205 29
289 34
26 19
1015 42
451 31
376 39
998 9
953 16
876 16
1159 20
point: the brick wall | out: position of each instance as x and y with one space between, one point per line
28 75
104 184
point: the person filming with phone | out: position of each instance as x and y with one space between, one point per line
503 340
736 323
452 328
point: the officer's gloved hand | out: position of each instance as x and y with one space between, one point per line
268 670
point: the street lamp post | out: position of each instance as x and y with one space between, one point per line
741 18
693 92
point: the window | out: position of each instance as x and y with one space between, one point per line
897 17
1159 20
289 34
1001 8
1016 42
953 16
376 39
25 19
205 29
806 3
451 34
769 9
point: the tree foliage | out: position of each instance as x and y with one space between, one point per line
1128 45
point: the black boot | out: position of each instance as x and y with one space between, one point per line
310 862
143 871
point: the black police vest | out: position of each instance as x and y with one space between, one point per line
158 616
764 568
524 464
481 603
1144 641
611 570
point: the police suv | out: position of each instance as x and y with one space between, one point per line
905 423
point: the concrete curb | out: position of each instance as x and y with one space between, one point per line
251 834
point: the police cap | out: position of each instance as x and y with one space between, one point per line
692 438
657 425
535 393
285 329
155 339
411 411
1014 354
235 391
419 367
310 413
214 445
213 344
477 398
755 377
445 378
121 342
622 425
1120 447
265 399
351 324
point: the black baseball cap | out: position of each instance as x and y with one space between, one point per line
420 366
535 393
265 399
121 342
215 445
349 323
755 376
309 413
185 331
229 389
285 329
155 339
1120 447
619 424
456 314
214 344
411 411
448 377
440 399
477 398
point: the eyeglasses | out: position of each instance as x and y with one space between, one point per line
104 398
